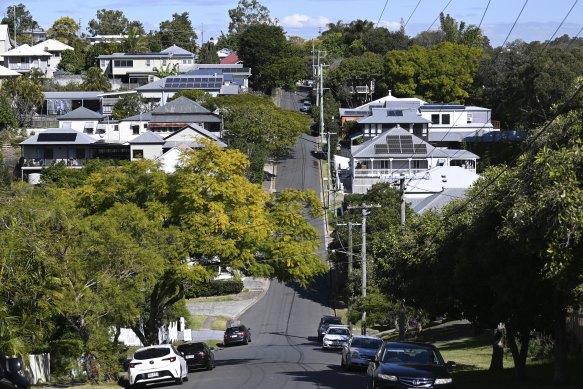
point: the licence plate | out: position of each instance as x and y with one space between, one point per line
189 357
234 336
152 375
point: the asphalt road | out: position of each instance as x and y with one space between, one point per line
285 352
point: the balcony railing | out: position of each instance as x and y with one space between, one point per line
19 66
385 172
46 162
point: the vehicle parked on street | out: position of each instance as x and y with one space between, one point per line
306 106
359 351
198 355
335 337
237 334
157 363
10 368
409 365
325 321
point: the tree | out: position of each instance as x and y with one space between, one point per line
380 40
64 29
129 105
208 53
197 95
359 70
19 19
136 42
7 119
247 13
72 61
470 36
178 31
95 80
25 96
108 22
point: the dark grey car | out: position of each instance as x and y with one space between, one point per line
237 334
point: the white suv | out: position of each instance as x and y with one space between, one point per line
335 337
157 363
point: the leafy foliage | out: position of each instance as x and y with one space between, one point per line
108 22
64 30
95 80
179 32
25 96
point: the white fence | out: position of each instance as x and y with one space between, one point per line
38 369
166 334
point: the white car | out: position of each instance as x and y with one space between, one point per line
336 336
157 363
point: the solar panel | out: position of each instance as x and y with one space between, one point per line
394 113
58 137
421 149
381 149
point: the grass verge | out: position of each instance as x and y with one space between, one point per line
219 323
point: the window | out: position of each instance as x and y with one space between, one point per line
384 164
148 63
435 118
80 153
116 127
470 117
123 63
145 125
135 129
445 119
137 154
164 61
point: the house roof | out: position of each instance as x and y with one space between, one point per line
231 89
26 51
80 114
198 129
180 105
437 200
396 116
176 50
230 59
147 137
180 110
59 136
77 95
5 72
396 143
52 45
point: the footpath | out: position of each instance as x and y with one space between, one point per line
253 290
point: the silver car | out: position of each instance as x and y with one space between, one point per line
360 351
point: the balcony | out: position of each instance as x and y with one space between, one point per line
19 66
39 163
377 173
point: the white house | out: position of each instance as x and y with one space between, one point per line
24 58
55 48
83 120
4 40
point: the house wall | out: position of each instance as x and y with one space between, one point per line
149 151
79 125
59 152
144 65
186 135
26 63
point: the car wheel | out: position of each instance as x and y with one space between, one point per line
342 363
245 341
179 380
210 365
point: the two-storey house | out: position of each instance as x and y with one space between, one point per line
55 48
141 68
25 58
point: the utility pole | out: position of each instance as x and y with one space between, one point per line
402 324
14 9
350 257
365 213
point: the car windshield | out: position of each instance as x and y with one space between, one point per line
194 347
154 352
332 320
366 343
235 329
338 331
421 356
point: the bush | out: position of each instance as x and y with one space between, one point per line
65 358
213 288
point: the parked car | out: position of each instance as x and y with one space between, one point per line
306 106
409 365
157 363
325 321
360 351
237 334
198 355
10 368
335 337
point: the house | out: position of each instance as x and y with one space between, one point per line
83 120
36 35
231 59
214 79
106 39
4 40
141 68
7 73
55 48
397 152
437 123
25 58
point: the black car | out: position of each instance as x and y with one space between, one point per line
237 334
409 365
198 355
325 322
10 370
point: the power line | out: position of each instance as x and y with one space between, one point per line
514 24
415 9
382 12
484 14
563 21
442 11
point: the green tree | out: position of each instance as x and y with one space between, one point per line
25 97
8 121
354 71
19 19
108 22
208 53
72 61
136 41
129 105
247 13
470 36
178 31
95 80
380 40
64 29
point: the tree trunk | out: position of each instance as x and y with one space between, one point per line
560 351
519 355
497 361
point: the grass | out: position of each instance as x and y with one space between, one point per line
219 323
229 297
195 322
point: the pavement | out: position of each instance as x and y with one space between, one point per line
253 290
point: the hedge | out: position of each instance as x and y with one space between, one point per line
213 288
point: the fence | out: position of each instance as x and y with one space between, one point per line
38 369
575 324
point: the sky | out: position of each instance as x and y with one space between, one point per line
538 21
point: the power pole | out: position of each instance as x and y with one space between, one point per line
350 257
365 213
14 9
402 324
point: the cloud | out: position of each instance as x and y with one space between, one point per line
392 26
301 21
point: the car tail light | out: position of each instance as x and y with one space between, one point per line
134 364
171 359
201 354
243 333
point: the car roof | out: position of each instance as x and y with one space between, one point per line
410 344
365 337
154 346
338 326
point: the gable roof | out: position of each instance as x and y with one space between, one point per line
5 72
59 136
230 59
406 146
26 51
80 114
194 127
396 116
181 105
52 45
147 137
3 32
176 50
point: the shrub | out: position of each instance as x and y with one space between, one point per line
65 358
213 288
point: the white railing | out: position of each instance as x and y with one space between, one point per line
19 66
385 172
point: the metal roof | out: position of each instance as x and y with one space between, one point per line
147 137
59 136
395 143
391 116
72 95
80 114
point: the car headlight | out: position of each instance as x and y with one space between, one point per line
441 381
355 354
387 377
